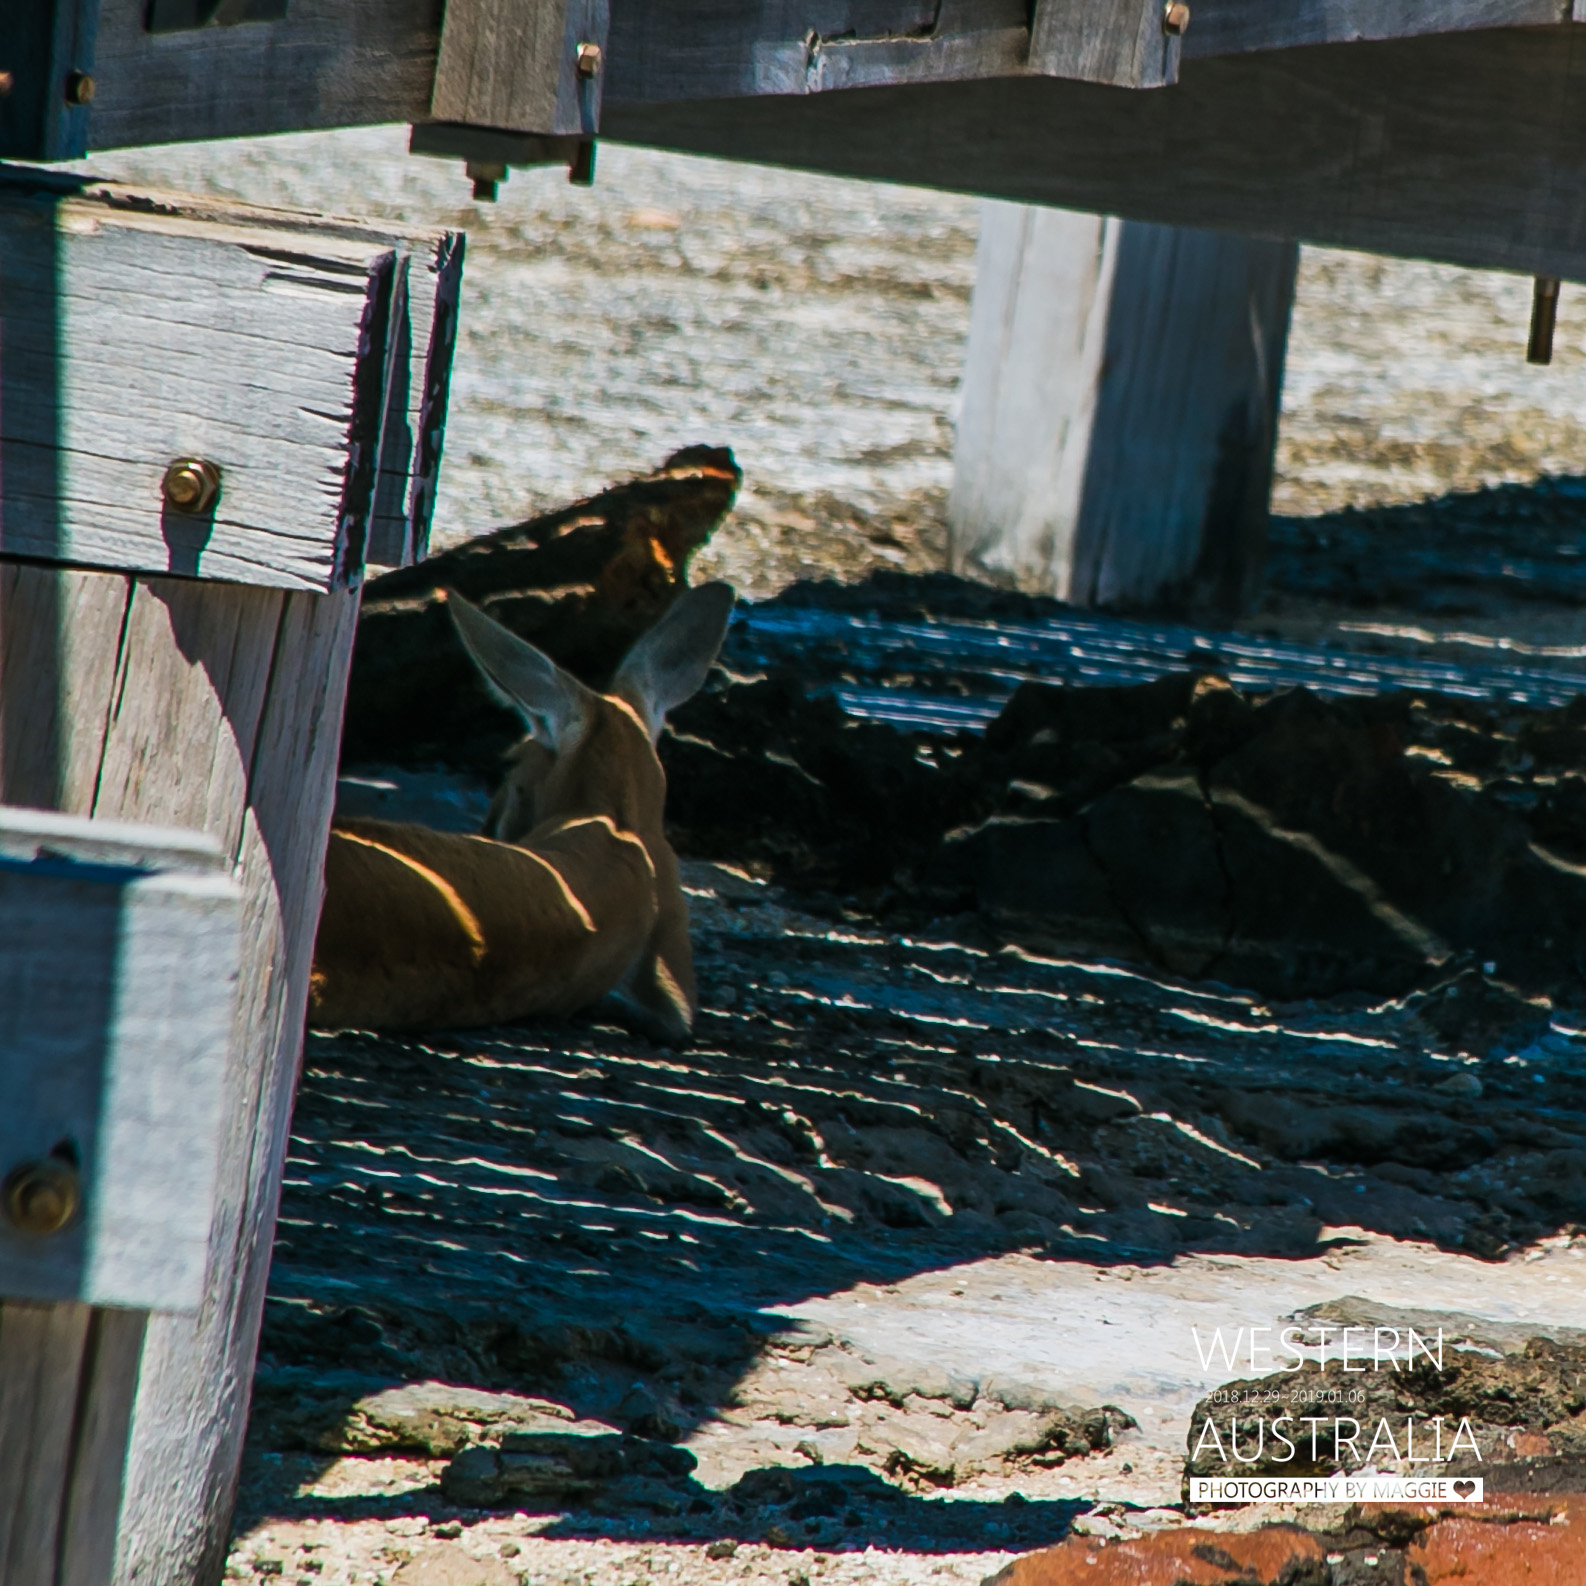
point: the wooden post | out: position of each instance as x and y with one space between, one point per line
130 694
1120 407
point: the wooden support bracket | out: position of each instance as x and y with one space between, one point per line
119 948
303 363
534 66
1129 43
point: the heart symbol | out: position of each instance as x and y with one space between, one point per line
1464 1488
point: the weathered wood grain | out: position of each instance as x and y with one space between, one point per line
330 63
260 776
1469 148
327 63
1119 411
112 1352
118 963
138 328
1229 27
691 49
1122 42
512 64
192 1402
42 1350
423 339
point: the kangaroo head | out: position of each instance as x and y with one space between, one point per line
585 751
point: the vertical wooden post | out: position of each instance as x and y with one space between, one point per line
129 332
1120 408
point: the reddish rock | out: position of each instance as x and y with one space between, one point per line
1188 1557
1492 1548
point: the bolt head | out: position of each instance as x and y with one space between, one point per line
40 1198
7 83
80 88
191 485
588 60
1176 18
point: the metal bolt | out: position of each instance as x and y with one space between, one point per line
587 61
191 485
40 1198
1175 18
79 88
7 83
1544 316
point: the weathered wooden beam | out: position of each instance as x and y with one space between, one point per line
1119 412
200 704
139 330
329 63
1128 43
326 63
522 65
216 708
118 967
1231 27
1469 147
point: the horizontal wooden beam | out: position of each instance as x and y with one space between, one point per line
1234 27
119 951
299 365
328 63
1468 147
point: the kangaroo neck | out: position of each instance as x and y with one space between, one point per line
612 771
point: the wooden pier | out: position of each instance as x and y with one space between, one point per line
212 418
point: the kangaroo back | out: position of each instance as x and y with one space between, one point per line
574 891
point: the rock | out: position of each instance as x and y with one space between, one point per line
1289 844
570 1465
582 583
1275 1555
645 1414
1524 1405
473 1478
436 1418
723 1548
896 1381
448 1565
1541 1552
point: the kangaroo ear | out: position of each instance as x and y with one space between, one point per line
667 664
524 679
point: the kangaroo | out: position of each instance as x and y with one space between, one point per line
572 893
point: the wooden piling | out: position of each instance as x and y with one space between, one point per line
1120 406
130 694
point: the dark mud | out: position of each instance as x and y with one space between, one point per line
582 583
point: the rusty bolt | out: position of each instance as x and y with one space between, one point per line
191 485
7 83
1175 18
588 60
79 88
40 1197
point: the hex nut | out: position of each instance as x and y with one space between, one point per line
80 88
1176 18
40 1198
191 485
588 59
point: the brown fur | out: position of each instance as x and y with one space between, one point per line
576 895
